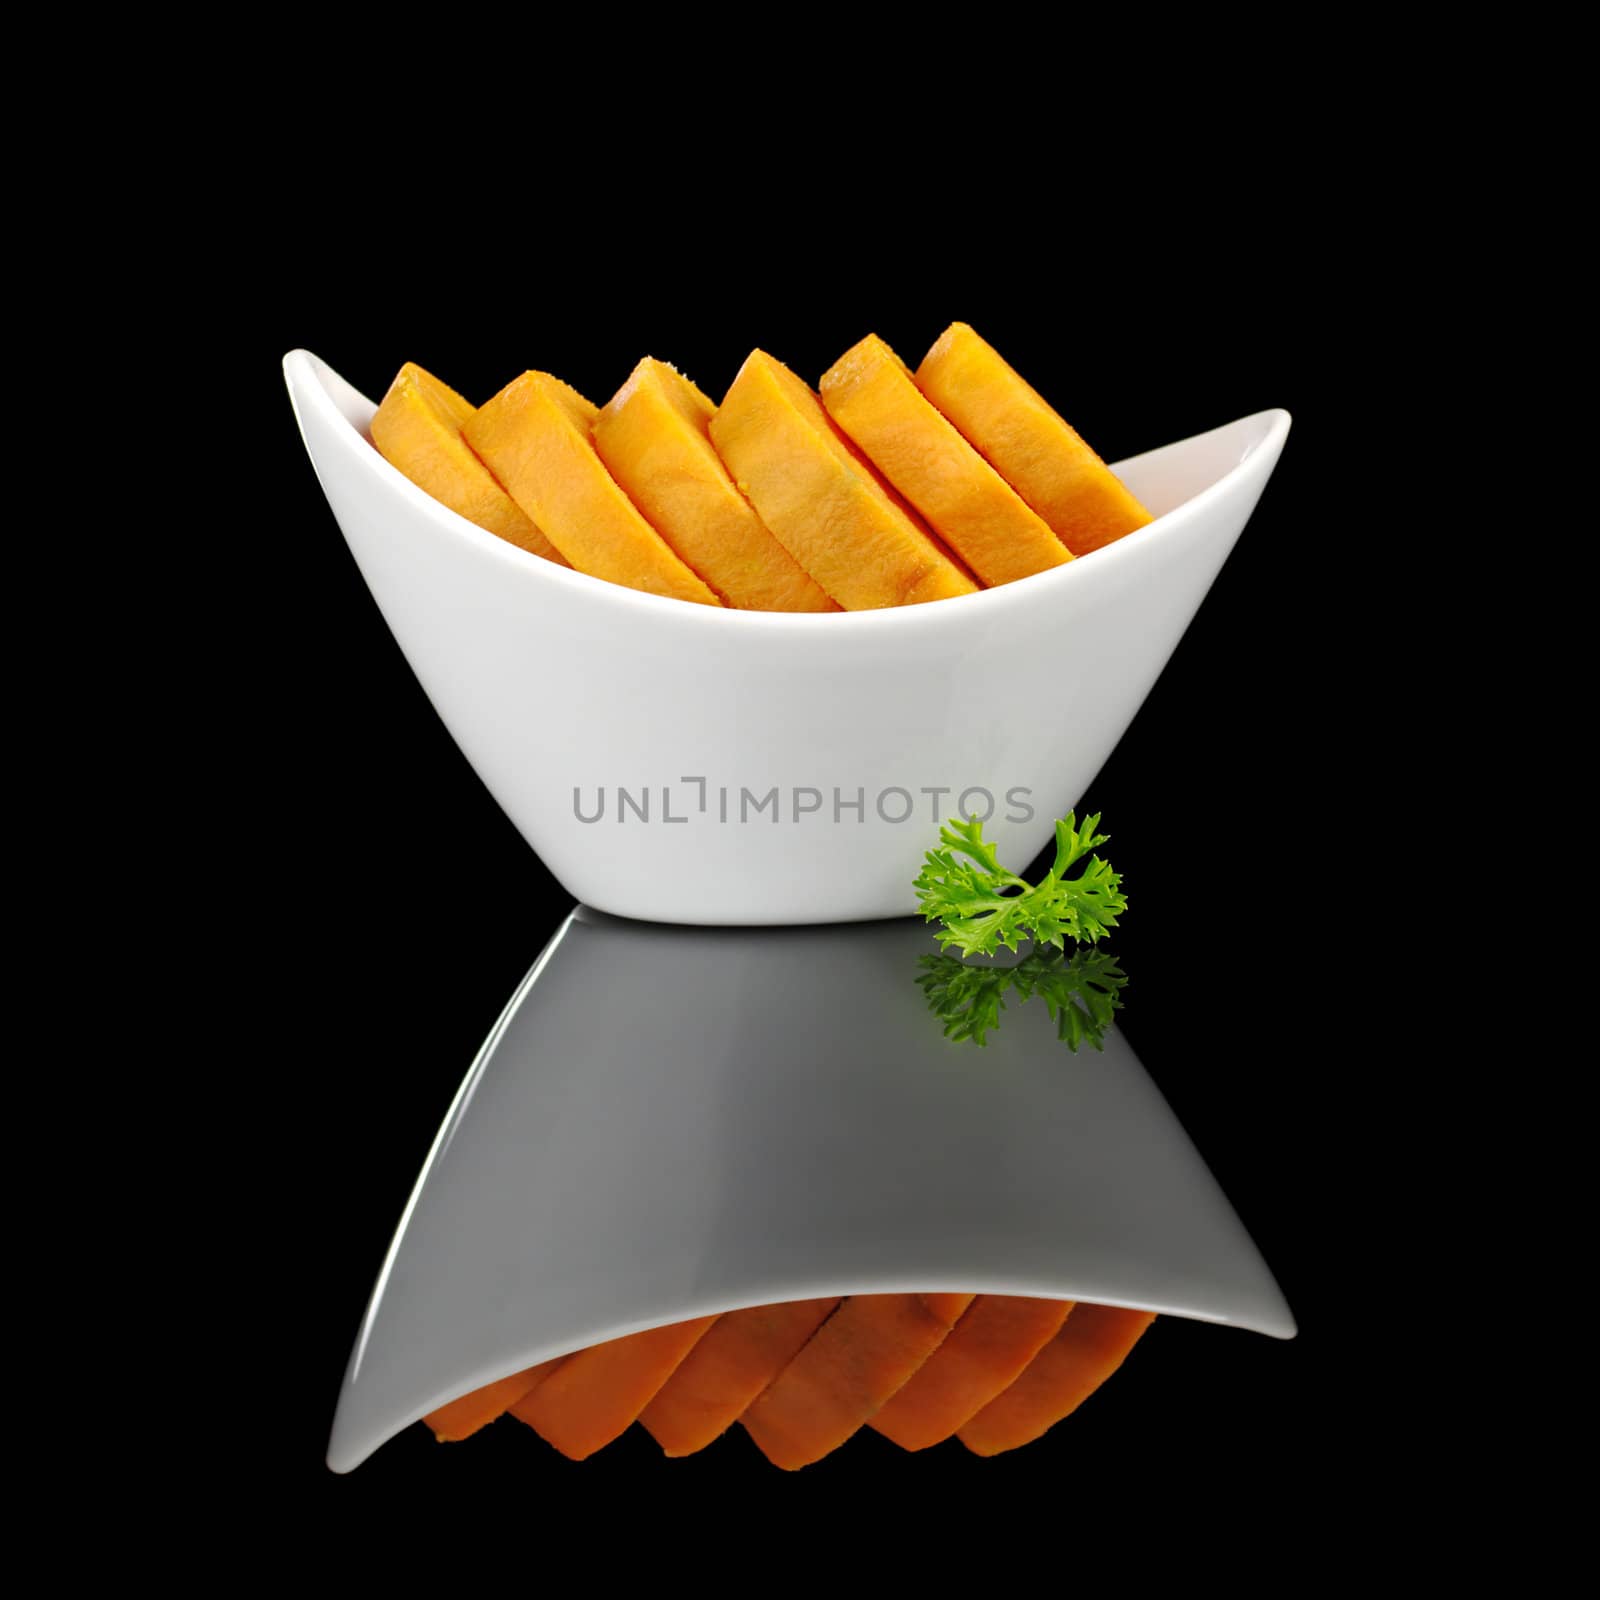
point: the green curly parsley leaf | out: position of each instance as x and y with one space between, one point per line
984 908
1082 993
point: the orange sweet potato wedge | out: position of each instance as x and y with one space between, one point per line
1027 442
1092 1344
462 1418
823 500
948 1308
857 1359
593 1396
986 1352
418 429
727 1369
652 436
534 437
870 392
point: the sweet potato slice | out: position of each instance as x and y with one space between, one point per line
727 1369
462 1418
948 1308
859 1357
986 1352
652 436
823 500
596 1393
534 437
1091 1346
1027 442
870 392
418 429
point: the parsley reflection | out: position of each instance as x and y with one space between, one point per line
1082 992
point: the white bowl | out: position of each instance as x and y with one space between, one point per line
776 768
673 1122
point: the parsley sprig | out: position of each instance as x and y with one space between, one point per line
983 906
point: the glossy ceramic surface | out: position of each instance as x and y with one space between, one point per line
755 768
670 1122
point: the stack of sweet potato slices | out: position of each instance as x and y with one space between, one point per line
892 488
995 1371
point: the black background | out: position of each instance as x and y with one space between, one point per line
396 908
